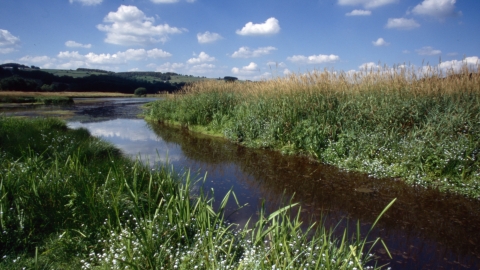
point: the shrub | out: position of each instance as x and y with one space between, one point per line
141 91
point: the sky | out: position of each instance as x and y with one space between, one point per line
248 39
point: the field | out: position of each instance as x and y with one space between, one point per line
72 73
417 125
72 201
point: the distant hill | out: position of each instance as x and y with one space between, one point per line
17 77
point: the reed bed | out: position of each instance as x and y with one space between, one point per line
70 201
421 125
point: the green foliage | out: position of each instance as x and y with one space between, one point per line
141 91
16 83
425 131
71 201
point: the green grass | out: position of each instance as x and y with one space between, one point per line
71 201
386 123
53 100
72 73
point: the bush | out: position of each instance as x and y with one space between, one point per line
141 91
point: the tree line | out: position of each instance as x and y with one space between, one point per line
22 79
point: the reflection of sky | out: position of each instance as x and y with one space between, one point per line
136 140
133 137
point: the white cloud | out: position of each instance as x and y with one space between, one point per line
436 8
202 57
8 42
202 68
168 67
314 59
42 61
74 44
359 12
158 53
70 55
428 51
269 27
208 37
116 58
406 51
472 63
130 26
402 23
366 3
380 42
286 71
369 66
246 70
264 76
6 50
87 2
245 52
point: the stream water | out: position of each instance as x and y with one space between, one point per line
424 229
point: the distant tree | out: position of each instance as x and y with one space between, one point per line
141 91
230 79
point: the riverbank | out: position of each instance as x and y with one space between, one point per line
390 123
72 201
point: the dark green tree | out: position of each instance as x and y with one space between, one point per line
141 91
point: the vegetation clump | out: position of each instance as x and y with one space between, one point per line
419 125
71 201
141 91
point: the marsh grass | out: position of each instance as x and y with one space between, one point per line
419 125
71 201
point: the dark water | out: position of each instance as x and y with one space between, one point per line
424 229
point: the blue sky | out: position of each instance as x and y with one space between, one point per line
247 39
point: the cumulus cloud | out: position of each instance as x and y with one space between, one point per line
202 58
246 70
359 12
366 3
428 51
402 23
116 58
130 26
167 67
245 52
269 27
202 68
472 63
74 44
87 2
369 66
208 37
314 59
6 50
42 61
436 8
8 42
380 42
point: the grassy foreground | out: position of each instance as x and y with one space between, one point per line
422 126
70 201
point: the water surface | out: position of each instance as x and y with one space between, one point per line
424 229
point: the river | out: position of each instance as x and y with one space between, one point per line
424 229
